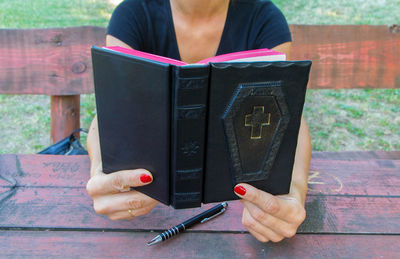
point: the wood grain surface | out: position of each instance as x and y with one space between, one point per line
39 191
349 56
78 244
57 61
48 61
65 116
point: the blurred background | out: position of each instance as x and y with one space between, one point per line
367 119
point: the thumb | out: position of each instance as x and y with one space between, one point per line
122 180
137 177
265 201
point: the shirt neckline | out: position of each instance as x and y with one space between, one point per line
173 33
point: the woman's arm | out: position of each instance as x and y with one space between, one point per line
93 146
112 41
304 148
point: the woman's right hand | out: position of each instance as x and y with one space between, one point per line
112 195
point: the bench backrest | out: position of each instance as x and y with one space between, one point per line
349 56
56 62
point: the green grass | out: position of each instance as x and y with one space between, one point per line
352 120
25 123
340 11
338 119
51 13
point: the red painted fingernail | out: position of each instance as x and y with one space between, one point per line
145 178
240 190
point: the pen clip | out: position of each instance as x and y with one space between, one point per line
213 216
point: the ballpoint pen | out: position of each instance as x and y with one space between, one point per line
201 218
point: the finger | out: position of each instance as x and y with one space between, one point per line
265 201
125 201
117 182
257 235
279 226
259 231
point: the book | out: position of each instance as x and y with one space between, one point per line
200 128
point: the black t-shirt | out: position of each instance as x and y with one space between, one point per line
147 25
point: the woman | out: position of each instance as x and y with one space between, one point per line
192 30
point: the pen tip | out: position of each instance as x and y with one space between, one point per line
155 240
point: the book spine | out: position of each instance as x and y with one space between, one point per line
188 129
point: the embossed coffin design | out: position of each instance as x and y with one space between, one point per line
254 124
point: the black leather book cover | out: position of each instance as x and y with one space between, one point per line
199 129
133 111
253 121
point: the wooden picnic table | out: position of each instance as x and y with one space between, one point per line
353 211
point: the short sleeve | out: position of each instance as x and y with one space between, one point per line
126 23
272 28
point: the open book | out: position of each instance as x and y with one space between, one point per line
242 56
200 128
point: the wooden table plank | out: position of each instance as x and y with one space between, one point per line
72 208
75 244
44 170
361 177
357 155
340 214
344 197
38 191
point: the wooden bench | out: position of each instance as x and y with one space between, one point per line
53 62
57 63
353 203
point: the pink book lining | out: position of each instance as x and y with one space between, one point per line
240 55
142 54
220 58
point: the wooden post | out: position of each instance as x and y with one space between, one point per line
65 111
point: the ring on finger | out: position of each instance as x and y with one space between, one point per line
131 213
125 188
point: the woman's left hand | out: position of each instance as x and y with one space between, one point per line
268 217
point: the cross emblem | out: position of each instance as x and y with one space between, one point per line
256 121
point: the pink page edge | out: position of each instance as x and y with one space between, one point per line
145 55
241 55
